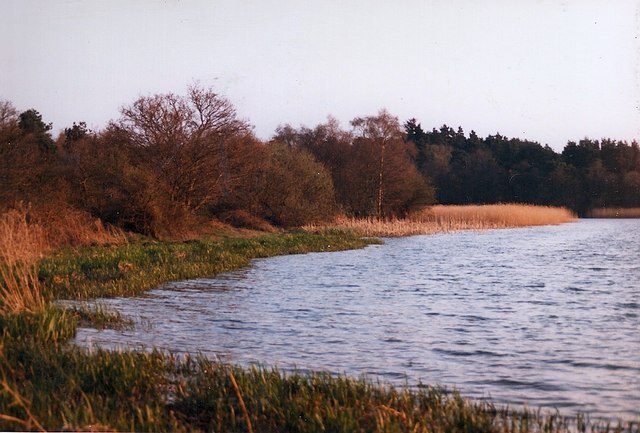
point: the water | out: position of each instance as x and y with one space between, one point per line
545 316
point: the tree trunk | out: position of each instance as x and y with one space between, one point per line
380 180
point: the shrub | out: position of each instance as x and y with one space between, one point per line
243 219
296 189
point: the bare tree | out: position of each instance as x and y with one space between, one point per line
8 115
187 140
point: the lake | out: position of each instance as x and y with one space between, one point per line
543 316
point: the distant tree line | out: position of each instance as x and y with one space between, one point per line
171 162
470 169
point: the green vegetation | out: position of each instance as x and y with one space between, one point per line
468 169
99 317
130 269
48 385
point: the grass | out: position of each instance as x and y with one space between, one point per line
26 236
66 226
130 269
21 245
49 325
614 212
443 219
47 384
99 317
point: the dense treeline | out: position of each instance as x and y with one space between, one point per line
470 169
171 162
165 166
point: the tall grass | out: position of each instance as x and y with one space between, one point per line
27 234
72 389
496 215
69 227
615 212
21 245
442 219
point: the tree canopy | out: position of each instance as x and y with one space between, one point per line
171 162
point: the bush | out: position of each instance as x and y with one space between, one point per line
296 189
243 219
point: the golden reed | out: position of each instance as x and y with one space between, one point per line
21 245
442 219
26 235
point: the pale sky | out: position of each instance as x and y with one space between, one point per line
545 70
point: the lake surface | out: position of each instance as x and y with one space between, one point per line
547 316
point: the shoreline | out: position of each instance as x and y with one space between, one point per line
100 379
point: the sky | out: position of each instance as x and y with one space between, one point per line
549 71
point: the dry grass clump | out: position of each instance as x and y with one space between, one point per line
26 235
442 219
496 215
66 226
21 245
392 227
615 212
243 219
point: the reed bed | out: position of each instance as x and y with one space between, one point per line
496 215
27 234
69 227
21 245
443 219
20 240
615 212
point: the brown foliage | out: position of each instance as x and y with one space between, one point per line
171 163
187 143
296 189
166 164
371 167
108 184
27 171
630 212
330 145
66 226
243 219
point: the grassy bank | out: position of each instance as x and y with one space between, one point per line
443 219
47 385
129 269
614 212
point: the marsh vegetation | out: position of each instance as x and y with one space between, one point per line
444 219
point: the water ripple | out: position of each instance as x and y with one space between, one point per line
546 316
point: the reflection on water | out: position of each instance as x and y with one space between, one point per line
547 316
